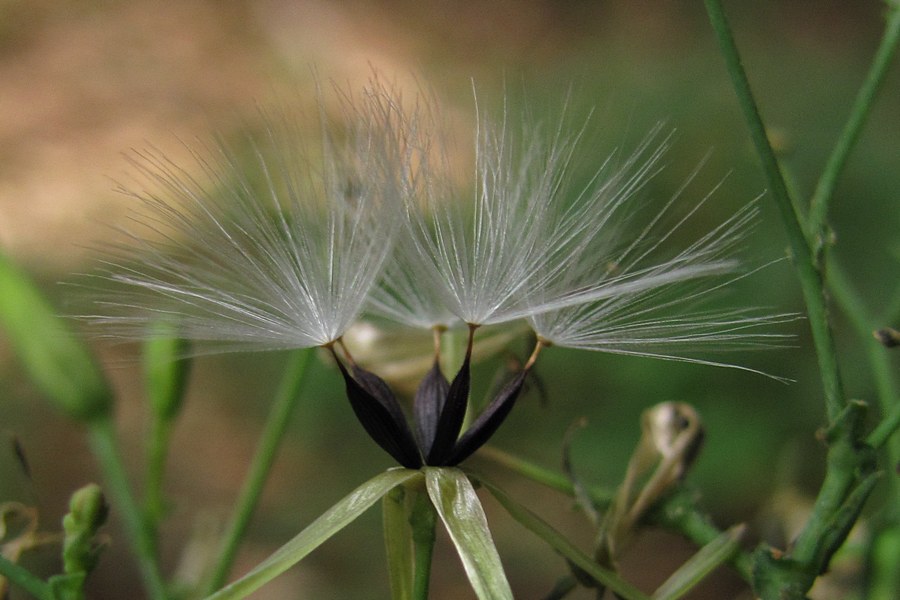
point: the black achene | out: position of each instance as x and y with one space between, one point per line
439 408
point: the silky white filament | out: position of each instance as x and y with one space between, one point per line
282 244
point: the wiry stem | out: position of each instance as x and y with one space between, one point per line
283 406
818 209
103 443
805 262
540 345
849 478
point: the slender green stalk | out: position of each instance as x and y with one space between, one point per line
166 374
804 260
840 477
879 363
546 477
283 406
422 519
700 565
885 429
154 502
101 435
561 544
818 209
25 579
676 512
864 323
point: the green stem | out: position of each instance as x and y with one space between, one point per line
885 429
422 519
853 127
154 501
840 476
546 477
283 406
676 512
804 261
561 544
102 437
24 579
879 363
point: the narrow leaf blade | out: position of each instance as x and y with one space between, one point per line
558 542
696 569
336 518
457 504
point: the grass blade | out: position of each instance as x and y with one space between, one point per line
336 518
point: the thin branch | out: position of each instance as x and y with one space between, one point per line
804 261
818 210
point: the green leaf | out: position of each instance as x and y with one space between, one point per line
398 542
24 579
336 518
57 362
699 566
559 543
460 510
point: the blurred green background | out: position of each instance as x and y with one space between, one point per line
83 81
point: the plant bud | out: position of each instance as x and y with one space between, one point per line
59 364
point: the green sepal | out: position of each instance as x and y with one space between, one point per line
457 504
318 532
59 364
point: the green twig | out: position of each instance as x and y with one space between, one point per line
103 443
676 512
864 323
154 502
166 374
283 406
25 579
885 429
804 261
818 209
546 477
558 542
